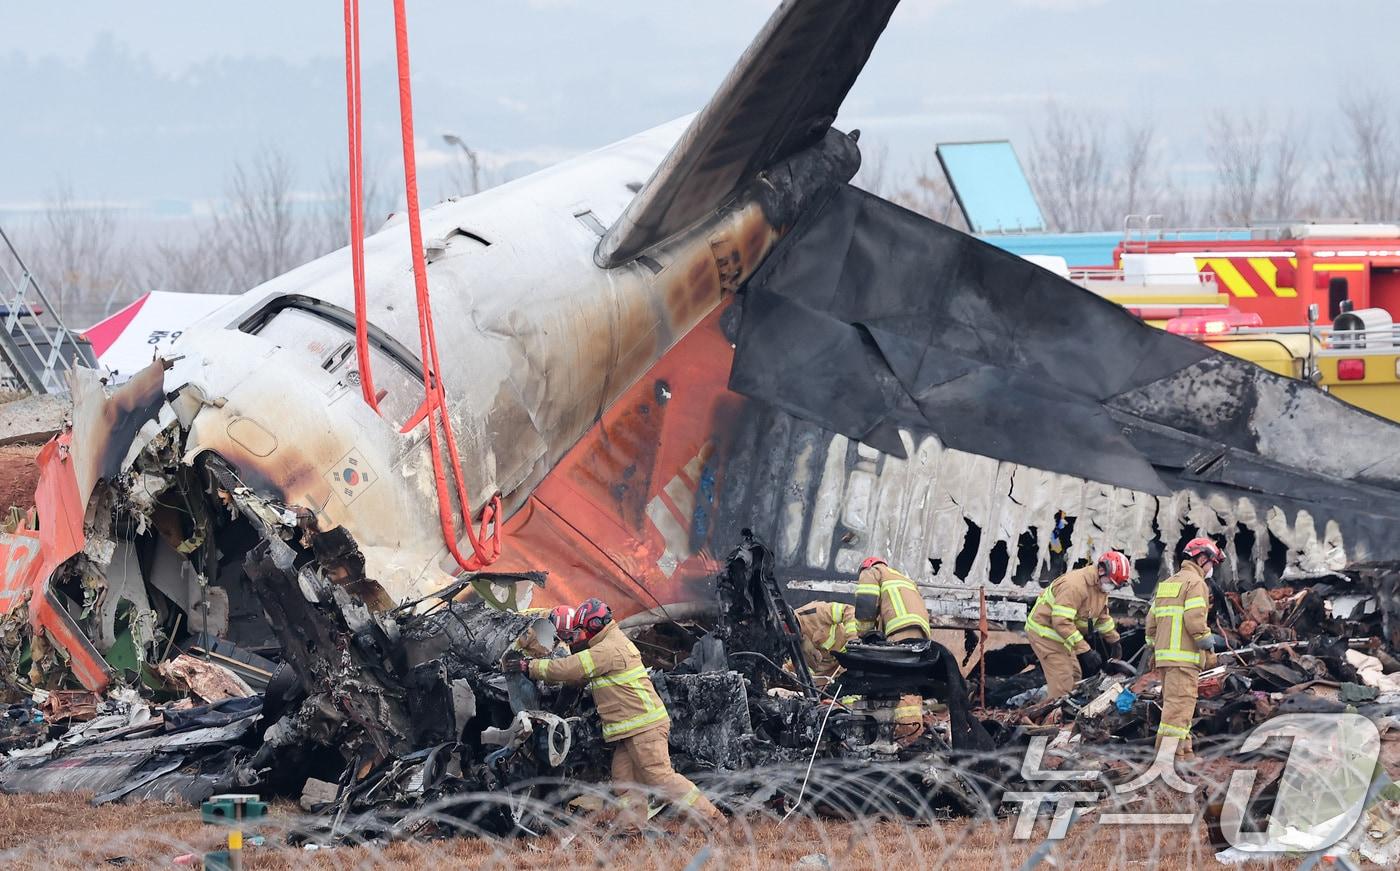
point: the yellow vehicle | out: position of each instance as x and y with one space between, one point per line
1356 359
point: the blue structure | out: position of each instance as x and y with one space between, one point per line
990 187
1090 249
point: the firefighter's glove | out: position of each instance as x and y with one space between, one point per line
516 665
874 636
1090 663
1115 650
1214 643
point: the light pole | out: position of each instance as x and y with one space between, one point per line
454 139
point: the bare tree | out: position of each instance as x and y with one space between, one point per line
258 232
874 175
1362 174
928 193
1283 194
1138 186
180 260
1236 147
329 223
77 255
1180 204
1069 169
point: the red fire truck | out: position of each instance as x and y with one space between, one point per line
1278 272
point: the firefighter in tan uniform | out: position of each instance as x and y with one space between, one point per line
634 719
1182 644
826 627
889 604
1057 623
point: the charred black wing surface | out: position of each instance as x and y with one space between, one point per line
778 100
870 317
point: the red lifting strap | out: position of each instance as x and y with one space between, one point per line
486 542
355 170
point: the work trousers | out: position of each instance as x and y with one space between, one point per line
1061 667
908 719
1178 706
646 759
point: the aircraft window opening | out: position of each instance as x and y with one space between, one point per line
326 334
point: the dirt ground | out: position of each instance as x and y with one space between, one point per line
18 475
65 831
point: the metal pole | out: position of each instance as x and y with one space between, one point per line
983 631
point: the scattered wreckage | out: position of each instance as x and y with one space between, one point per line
406 708
752 342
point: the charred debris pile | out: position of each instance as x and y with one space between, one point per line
376 713
294 676
1318 645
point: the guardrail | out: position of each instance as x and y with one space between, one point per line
1375 339
35 345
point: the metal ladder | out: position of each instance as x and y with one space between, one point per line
36 348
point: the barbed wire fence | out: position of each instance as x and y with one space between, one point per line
927 813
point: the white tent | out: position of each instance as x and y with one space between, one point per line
127 341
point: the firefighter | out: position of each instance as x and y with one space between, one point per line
1057 623
634 719
825 628
1181 642
889 606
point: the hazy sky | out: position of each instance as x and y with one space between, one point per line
154 100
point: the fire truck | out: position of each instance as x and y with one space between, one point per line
1277 272
1315 302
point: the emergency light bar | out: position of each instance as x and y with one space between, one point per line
1213 324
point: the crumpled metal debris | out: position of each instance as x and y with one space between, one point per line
209 681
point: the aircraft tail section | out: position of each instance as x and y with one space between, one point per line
779 99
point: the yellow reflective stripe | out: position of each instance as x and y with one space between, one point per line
611 730
1046 632
836 610
899 584
1202 635
585 659
628 677
907 620
691 797
867 589
1173 731
851 627
1193 603
1033 625
1106 625
1168 590
1168 610
1191 657
830 641
1064 611
1075 637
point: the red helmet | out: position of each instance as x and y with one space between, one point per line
872 561
593 615
565 620
1116 567
1197 546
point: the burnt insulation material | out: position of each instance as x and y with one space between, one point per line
870 318
710 722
